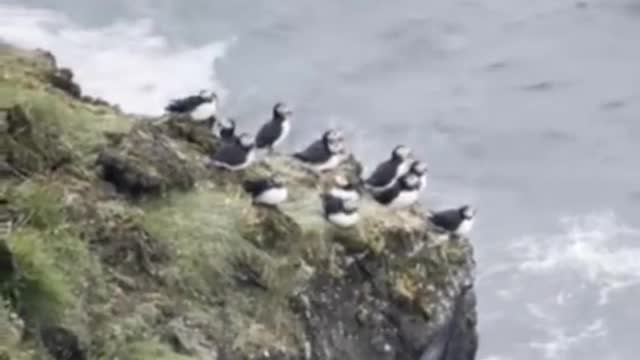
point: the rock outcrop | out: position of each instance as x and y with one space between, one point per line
125 245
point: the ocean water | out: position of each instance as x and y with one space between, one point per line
529 110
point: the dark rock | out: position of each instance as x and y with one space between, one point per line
462 339
62 344
189 341
146 162
48 57
362 315
180 127
63 79
8 266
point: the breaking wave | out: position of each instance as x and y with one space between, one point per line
125 62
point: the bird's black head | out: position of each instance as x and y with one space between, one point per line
401 153
246 141
467 212
333 141
227 129
281 111
419 167
334 147
209 95
332 136
409 181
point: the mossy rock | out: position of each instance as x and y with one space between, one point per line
30 145
150 350
271 229
122 233
147 162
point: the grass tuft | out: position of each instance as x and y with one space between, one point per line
149 350
42 291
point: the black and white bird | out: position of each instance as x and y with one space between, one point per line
340 212
323 154
420 169
344 189
201 107
266 191
275 130
235 155
455 221
404 192
225 129
385 174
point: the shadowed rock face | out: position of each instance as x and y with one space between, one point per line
145 163
364 315
126 237
62 344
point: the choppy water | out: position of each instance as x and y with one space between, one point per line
528 109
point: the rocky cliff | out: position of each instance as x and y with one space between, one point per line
117 242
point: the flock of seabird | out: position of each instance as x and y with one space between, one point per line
395 183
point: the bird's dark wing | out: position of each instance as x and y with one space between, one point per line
447 219
382 175
256 186
387 195
331 204
185 104
267 134
231 154
314 153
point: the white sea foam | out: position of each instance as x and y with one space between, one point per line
125 62
560 342
596 247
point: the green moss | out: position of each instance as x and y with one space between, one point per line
149 351
82 126
40 205
53 262
42 290
203 229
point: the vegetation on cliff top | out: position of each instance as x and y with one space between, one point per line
124 237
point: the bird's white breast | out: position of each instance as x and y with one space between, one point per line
273 196
216 129
204 111
465 227
423 182
286 127
403 168
344 194
343 219
404 199
331 163
250 157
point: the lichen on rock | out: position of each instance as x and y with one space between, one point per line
124 244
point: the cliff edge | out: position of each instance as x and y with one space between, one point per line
117 242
